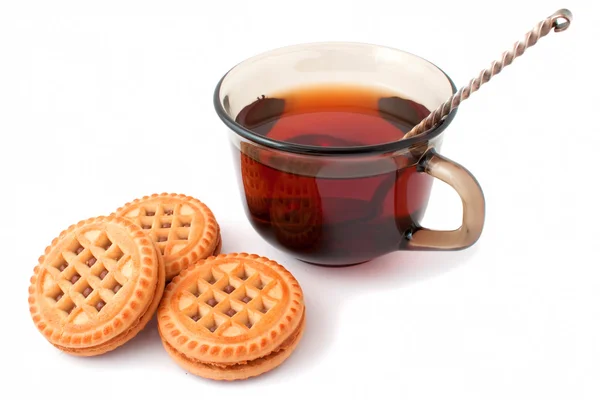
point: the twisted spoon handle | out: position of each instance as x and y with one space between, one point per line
559 21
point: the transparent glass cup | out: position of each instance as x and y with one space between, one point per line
340 206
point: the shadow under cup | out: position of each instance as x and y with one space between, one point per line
345 205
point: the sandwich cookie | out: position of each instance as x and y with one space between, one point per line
184 229
232 317
97 286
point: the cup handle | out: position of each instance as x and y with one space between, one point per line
473 203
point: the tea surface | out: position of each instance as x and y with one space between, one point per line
333 116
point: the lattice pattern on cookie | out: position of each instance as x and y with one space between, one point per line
85 277
183 228
229 299
168 225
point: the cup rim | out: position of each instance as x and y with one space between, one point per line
381 148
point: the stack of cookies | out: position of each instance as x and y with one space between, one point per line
220 316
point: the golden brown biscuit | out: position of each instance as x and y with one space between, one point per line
231 317
97 286
183 227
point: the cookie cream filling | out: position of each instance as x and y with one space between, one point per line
244 364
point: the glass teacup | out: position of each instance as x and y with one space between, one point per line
345 205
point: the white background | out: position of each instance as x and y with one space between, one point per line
103 102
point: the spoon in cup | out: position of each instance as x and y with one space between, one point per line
559 22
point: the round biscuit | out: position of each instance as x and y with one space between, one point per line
229 309
96 286
183 227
